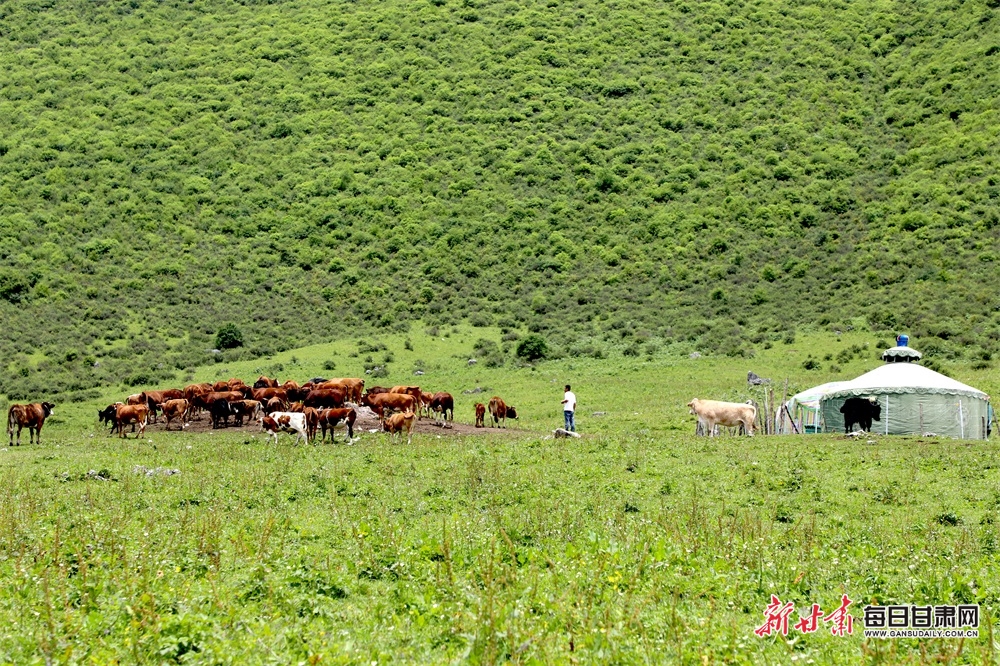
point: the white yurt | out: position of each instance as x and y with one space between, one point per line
914 400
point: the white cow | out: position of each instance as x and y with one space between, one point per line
712 413
290 422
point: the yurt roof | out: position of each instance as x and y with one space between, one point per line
811 396
904 378
901 353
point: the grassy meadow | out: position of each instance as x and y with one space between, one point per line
638 543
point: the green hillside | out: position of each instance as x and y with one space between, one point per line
609 175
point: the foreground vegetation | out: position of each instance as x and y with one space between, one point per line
639 543
709 172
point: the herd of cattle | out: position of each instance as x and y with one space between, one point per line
323 404
302 410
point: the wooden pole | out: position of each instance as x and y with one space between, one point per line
784 399
785 407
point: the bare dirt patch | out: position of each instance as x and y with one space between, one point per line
367 421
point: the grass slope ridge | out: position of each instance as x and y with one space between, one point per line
688 171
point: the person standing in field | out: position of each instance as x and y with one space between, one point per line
569 409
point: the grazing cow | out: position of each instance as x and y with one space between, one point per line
501 411
329 418
714 413
325 398
125 414
384 403
249 409
285 422
443 403
31 417
480 415
174 408
861 411
265 382
395 424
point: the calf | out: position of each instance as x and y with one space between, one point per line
480 415
107 416
395 424
289 422
156 398
861 411
729 414
444 403
312 421
249 409
173 408
329 418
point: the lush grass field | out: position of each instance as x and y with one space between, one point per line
638 543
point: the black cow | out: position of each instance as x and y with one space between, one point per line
861 411
221 410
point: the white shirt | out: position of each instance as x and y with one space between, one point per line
570 404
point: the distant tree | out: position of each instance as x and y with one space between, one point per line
532 348
229 337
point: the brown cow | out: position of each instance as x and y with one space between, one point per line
329 418
265 382
265 394
205 400
156 398
425 402
31 417
174 408
410 390
126 414
325 398
274 405
388 402
376 390
399 422
312 422
501 411
220 386
354 386
444 403
480 415
191 391
136 399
